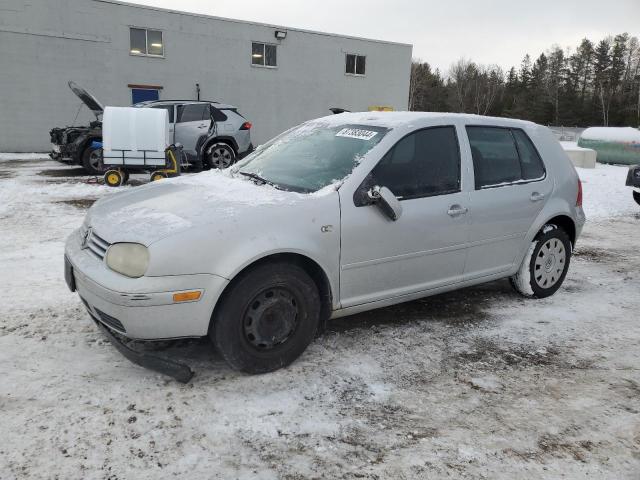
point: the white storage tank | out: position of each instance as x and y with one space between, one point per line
613 144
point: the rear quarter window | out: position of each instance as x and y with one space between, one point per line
218 115
502 156
532 166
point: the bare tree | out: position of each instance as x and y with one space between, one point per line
475 87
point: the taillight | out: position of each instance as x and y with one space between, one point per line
246 126
579 198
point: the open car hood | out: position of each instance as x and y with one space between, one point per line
89 100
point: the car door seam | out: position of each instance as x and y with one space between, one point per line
404 256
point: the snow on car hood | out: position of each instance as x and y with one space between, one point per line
151 212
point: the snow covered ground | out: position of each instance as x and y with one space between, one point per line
479 383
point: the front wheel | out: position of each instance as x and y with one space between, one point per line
267 318
91 161
546 264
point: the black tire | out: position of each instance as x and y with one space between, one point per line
219 155
196 166
91 161
267 318
636 196
545 266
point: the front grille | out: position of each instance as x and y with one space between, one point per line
110 321
94 243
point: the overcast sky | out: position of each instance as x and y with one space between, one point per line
487 31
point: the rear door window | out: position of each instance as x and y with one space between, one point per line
502 156
192 112
424 163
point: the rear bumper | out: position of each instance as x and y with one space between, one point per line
580 220
142 308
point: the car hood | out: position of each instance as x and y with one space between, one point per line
152 212
89 100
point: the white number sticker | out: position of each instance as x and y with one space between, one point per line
356 133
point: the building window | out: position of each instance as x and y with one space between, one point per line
144 95
355 64
146 42
263 55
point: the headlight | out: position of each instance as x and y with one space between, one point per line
130 259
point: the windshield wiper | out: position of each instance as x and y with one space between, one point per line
258 178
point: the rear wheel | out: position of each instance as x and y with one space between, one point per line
546 264
219 155
157 175
267 318
91 161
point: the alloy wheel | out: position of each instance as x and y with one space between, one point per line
94 159
220 156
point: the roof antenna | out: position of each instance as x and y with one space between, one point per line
198 90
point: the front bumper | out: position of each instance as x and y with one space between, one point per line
179 371
63 153
142 308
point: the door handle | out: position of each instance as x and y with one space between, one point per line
455 210
536 196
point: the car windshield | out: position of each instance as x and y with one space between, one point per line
312 156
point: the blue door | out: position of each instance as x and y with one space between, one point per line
143 94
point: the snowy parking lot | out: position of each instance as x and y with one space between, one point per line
479 383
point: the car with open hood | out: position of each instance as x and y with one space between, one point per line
72 144
340 215
212 134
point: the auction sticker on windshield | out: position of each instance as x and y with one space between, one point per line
356 133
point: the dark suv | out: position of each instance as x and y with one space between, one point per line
72 144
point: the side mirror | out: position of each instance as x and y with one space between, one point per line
386 201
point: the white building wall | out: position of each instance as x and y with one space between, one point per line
46 43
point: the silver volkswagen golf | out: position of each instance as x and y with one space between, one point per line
337 216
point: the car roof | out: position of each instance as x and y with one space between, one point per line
218 105
397 119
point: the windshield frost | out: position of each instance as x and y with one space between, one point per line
312 156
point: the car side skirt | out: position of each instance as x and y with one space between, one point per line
386 302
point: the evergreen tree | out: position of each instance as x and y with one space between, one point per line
598 84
